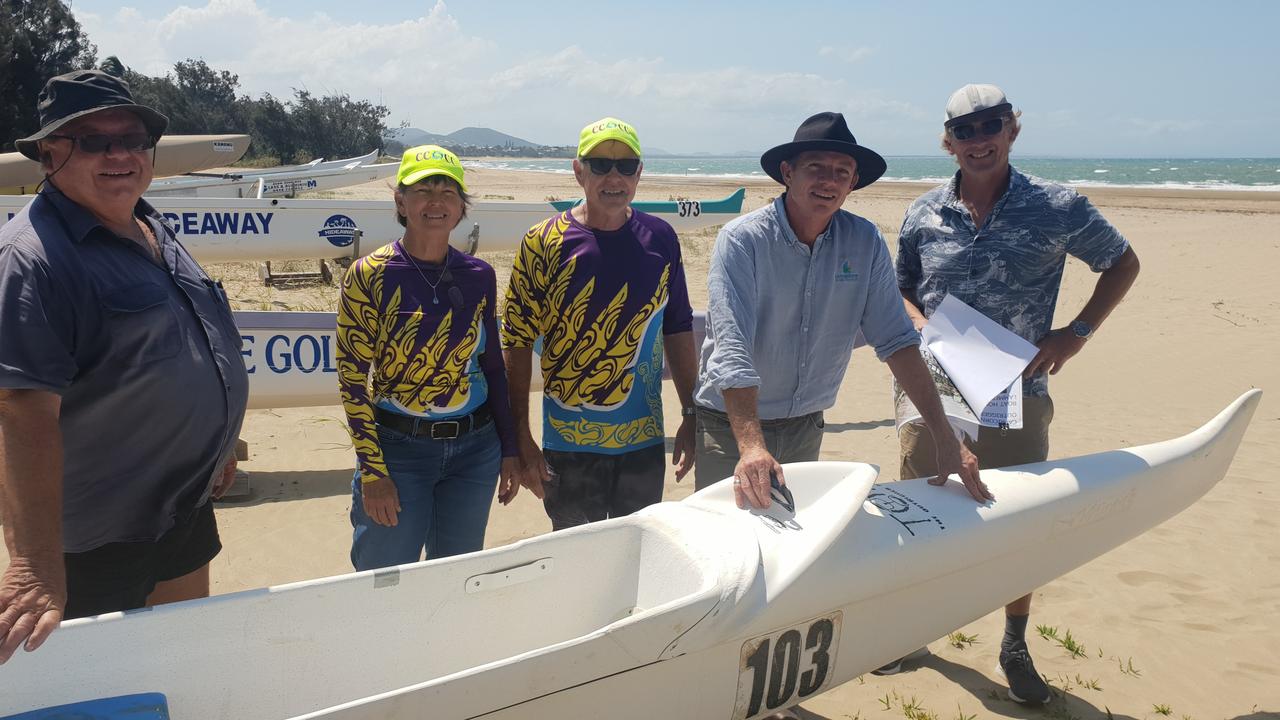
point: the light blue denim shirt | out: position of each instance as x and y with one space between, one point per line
782 317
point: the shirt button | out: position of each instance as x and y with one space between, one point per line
802 364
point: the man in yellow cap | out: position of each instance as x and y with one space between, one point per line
602 287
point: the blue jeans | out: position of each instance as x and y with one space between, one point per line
446 488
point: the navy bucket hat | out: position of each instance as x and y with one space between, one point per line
84 92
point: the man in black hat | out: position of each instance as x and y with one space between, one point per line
122 389
998 240
790 286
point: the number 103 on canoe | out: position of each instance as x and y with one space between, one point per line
787 666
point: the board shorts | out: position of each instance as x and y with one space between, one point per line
119 576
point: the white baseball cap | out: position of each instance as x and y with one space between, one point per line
973 100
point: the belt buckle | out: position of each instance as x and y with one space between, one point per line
445 429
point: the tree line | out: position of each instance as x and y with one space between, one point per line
41 38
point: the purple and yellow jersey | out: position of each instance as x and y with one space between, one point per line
405 347
601 302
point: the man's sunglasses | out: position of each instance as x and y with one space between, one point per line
129 142
988 127
602 166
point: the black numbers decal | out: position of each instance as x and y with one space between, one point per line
688 208
819 641
758 661
786 667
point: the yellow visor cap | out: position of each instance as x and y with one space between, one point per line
608 129
426 160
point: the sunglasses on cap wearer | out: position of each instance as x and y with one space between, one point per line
988 127
129 142
602 166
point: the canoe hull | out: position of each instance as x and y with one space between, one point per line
175 155
251 230
695 609
273 184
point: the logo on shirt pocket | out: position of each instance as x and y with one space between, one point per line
846 273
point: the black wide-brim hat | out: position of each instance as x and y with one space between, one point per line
84 92
826 131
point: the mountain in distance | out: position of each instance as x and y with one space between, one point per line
409 137
473 136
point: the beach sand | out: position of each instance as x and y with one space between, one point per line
1185 618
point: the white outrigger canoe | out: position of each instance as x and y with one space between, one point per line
690 609
275 182
235 230
175 155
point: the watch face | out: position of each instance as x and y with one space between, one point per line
1081 329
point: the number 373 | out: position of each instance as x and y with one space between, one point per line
786 666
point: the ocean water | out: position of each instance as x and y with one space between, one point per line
1197 173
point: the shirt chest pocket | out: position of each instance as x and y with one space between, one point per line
141 325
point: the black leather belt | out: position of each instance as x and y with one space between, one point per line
434 429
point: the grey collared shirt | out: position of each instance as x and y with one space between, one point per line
1010 269
782 317
144 354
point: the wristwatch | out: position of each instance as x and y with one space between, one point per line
1081 329
688 412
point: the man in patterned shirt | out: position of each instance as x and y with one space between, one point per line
998 240
601 286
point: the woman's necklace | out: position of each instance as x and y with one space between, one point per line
435 297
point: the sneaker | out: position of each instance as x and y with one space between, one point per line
1025 684
895 667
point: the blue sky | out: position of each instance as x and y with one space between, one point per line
1093 79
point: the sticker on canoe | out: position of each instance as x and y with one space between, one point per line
787 666
223 146
915 518
339 230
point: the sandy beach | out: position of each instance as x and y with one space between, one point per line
1182 622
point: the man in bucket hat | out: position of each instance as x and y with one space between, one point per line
998 240
122 389
790 286
603 286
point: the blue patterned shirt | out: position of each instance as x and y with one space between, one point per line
1009 270
783 317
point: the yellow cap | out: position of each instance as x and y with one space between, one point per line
427 160
607 129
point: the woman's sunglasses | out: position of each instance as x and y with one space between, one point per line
602 166
129 142
988 127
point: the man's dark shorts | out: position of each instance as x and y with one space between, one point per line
120 576
585 487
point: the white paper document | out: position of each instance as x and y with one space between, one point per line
977 367
982 358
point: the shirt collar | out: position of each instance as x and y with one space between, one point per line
1017 185
79 221
789 233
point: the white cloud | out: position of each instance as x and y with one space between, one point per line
847 54
274 53
436 75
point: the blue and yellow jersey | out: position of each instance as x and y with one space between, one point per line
601 303
417 350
